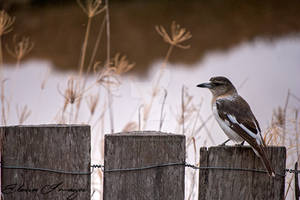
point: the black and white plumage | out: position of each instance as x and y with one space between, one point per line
235 117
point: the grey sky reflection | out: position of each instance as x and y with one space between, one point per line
269 68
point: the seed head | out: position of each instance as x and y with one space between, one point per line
120 64
178 35
6 22
91 7
21 47
72 92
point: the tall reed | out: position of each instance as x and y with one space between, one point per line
177 36
21 47
6 23
91 8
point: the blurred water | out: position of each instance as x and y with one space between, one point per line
267 69
58 29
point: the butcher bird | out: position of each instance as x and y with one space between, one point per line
235 117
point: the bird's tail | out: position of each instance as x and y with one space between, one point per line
263 156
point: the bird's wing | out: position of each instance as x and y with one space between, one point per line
238 114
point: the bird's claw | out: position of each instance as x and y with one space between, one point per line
241 144
224 143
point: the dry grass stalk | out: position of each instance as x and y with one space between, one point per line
195 149
92 62
3 104
178 35
21 48
110 109
23 113
192 186
162 116
100 119
108 77
110 99
72 94
120 64
284 114
273 135
130 126
192 136
207 130
193 175
203 125
92 102
280 133
91 8
297 134
96 46
147 110
187 109
182 108
44 81
289 187
279 117
6 23
295 96
139 115
84 46
107 33
83 88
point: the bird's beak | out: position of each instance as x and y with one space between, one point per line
205 85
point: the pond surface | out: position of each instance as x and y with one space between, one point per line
263 70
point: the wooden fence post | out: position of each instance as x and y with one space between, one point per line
235 184
56 147
140 149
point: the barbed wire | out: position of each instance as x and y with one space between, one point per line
102 167
44 170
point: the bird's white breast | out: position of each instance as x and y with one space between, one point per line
232 135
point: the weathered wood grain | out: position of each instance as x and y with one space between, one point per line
138 149
231 185
61 147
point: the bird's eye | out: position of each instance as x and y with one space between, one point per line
217 84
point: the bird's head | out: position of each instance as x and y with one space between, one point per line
219 85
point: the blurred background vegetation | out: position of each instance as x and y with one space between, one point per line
216 25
